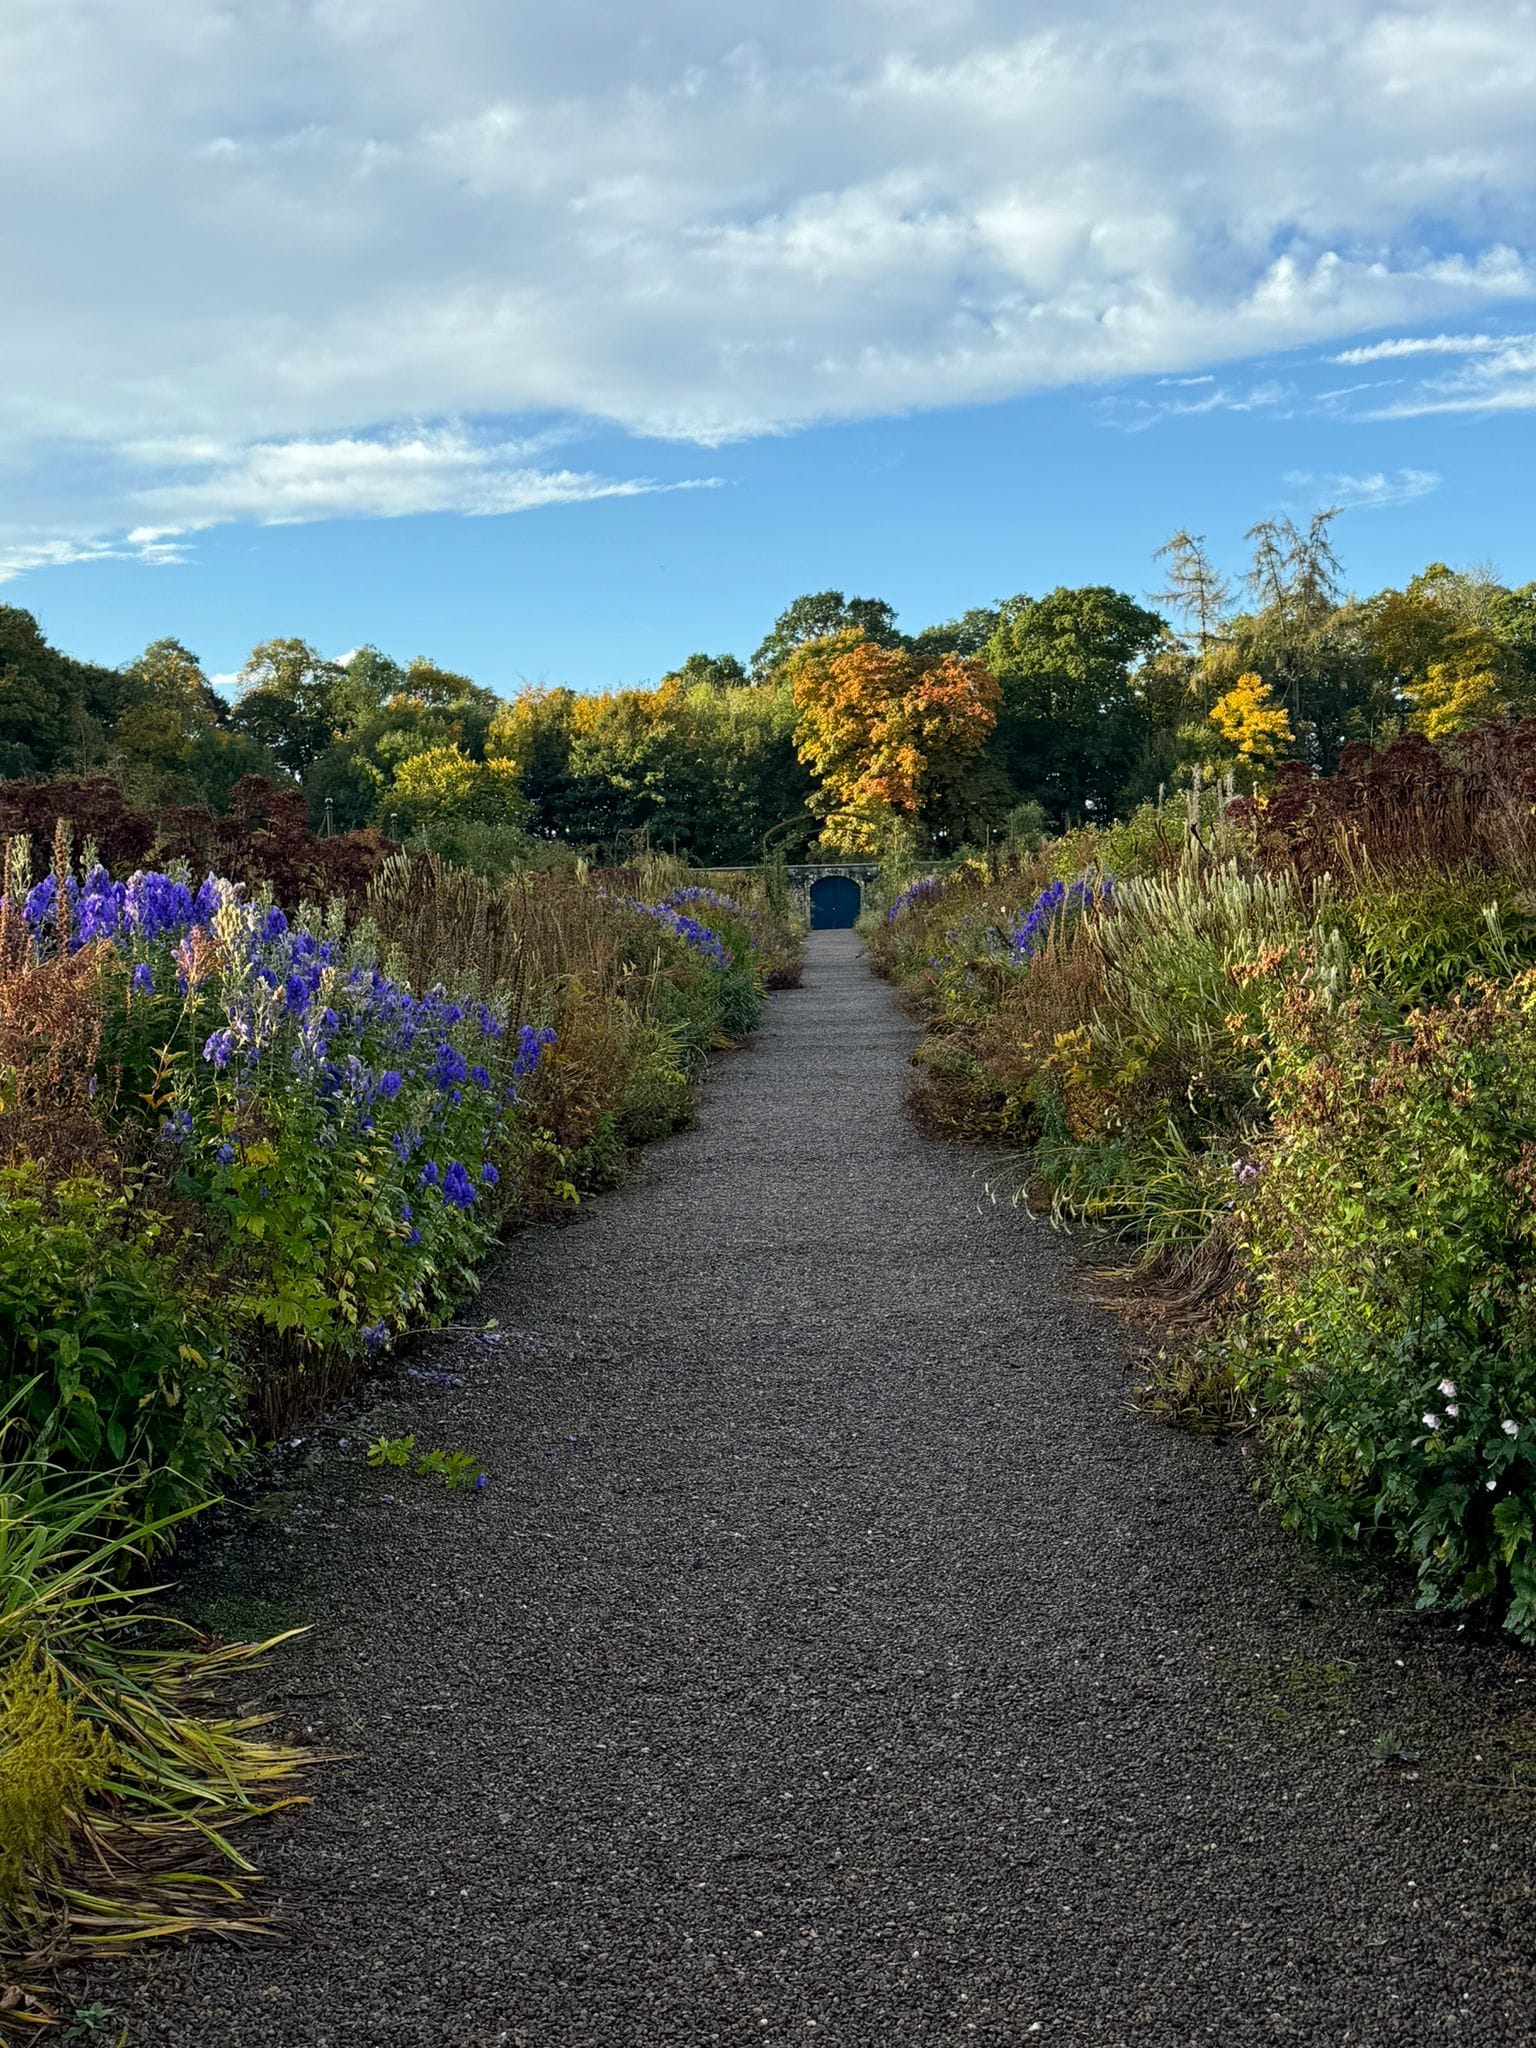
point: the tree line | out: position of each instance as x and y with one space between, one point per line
840 731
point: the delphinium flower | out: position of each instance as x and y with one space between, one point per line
697 937
449 1068
1055 900
695 893
458 1188
375 1338
531 1047
143 979
219 1048
154 905
924 890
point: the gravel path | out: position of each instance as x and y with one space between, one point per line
837 1658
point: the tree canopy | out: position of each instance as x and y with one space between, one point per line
841 731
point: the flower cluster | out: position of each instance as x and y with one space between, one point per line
319 1094
926 889
710 899
147 906
1057 899
697 937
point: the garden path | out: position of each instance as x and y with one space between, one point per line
836 1657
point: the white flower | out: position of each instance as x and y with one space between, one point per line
1490 1484
1451 1408
1431 1421
1448 1388
1509 1427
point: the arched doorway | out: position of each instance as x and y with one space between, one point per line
835 901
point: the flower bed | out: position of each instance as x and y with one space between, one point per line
1299 1093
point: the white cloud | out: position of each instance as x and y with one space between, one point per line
1365 493
1135 414
260 243
431 470
284 483
1422 345
1496 375
20 557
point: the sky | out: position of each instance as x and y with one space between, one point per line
556 344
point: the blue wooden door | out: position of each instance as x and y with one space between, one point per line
835 901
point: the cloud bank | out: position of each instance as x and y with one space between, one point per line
254 246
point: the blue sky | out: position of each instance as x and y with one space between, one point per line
559 349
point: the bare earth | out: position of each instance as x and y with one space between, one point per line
836 1657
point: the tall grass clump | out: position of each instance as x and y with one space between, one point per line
127 1765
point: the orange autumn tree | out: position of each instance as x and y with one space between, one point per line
882 728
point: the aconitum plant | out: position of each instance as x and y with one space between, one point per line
926 889
696 936
344 1127
709 899
1056 900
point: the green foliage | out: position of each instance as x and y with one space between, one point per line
287 702
1305 1102
1389 1347
1072 726
51 1761
40 709
817 616
1424 935
88 2024
391 1450
107 1368
458 1470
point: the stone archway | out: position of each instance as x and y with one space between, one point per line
839 907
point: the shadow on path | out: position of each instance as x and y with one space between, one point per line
837 1658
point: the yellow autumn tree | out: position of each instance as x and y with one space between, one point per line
444 783
881 727
1456 695
1253 725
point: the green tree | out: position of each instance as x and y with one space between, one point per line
709 671
168 715
41 710
1310 645
969 634
819 615
287 702
1196 593
368 680
1073 725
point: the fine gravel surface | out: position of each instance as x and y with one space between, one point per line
837 1656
